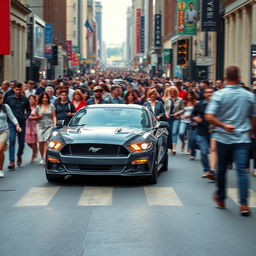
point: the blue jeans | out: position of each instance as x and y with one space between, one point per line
240 153
204 147
174 128
192 144
12 140
183 131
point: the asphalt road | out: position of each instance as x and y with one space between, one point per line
119 217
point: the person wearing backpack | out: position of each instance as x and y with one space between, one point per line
65 109
5 111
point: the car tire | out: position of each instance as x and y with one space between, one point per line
164 168
54 178
154 175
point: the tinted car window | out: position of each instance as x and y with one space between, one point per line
126 117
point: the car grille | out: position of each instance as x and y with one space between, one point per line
94 168
94 150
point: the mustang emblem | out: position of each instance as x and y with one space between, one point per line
94 150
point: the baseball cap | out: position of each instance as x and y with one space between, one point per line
97 87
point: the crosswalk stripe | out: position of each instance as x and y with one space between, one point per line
162 196
38 196
96 196
233 194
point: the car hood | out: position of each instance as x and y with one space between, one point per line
110 135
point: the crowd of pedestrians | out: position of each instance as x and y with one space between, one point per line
202 115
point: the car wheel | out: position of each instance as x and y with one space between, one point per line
54 178
164 168
154 175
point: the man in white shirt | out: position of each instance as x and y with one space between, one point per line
191 14
30 90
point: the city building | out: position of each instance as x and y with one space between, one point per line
76 33
55 13
98 17
240 34
13 61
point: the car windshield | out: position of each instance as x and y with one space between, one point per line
111 117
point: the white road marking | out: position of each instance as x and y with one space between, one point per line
96 196
162 196
38 196
233 193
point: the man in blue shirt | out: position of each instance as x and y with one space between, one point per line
232 111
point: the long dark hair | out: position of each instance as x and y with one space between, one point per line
126 97
40 99
193 98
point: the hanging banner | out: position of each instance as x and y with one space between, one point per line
167 55
48 41
5 27
69 49
187 17
138 25
142 34
209 15
253 63
158 30
74 59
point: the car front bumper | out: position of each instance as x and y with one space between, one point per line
100 165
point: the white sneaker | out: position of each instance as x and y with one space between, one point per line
1 174
41 162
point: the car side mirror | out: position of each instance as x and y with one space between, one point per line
60 123
163 124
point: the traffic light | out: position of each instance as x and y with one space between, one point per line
182 58
55 55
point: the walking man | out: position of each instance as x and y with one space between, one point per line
203 133
21 110
232 111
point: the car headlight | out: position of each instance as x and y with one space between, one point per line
138 147
55 145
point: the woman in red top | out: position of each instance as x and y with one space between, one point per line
78 100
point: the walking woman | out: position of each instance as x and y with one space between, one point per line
31 127
64 108
189 103
78 100
154 105
174 107
5 111
46 122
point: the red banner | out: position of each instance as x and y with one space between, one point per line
69 49
138 25
5 27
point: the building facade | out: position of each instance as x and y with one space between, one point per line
98 17
240 34
13 66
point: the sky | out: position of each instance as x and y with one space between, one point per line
114 20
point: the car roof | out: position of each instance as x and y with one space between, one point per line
124 106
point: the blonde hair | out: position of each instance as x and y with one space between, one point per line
78 92
167 92
152 91
174 88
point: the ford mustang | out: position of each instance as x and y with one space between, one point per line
109 139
